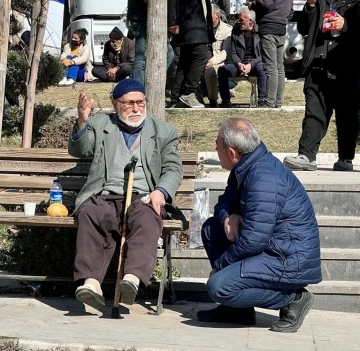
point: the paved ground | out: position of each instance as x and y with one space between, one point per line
65 321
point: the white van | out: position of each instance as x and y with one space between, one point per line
99 18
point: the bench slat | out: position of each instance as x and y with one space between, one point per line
42 199
19 218
63 168
60 155
71 184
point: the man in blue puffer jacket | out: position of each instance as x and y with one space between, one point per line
263 241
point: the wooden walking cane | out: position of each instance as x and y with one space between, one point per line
115 313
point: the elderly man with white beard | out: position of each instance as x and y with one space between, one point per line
111 141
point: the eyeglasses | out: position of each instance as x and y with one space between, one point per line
131 103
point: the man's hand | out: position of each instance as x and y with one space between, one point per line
85 106
209 64
157 199
232 226
111 73
247 69
311 2
338 21
174 30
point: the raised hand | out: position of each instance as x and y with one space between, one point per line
85 106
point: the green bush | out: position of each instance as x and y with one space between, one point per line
50 72
14 116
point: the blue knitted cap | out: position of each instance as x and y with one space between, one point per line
126 86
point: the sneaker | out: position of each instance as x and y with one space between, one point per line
191 101
300 162
226 314
343 165
226 104
69 81
63 81
232 93
292 316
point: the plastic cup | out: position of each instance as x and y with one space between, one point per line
29 208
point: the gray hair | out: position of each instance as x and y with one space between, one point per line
216 9
240 134
251 14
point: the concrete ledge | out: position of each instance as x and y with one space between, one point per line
338 221
340 254
325 287
211 158
326 254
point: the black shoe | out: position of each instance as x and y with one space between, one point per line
261 103
292 316
213 103
343 165
226 104
226 314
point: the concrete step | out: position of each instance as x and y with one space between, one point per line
341 232
341 296
331 193
337 264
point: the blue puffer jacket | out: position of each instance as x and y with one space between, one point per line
279 239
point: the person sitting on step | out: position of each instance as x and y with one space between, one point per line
111 141
75 59
263 241
246 58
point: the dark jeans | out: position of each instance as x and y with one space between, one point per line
322 97
272 52
140 52
192 62
231 70
124 71
99 230
229 288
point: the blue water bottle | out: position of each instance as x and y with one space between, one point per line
56 192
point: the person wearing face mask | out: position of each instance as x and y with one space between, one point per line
111 141
75 59
118 58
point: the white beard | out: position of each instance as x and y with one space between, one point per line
133 124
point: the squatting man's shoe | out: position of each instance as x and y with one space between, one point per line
292 316
300 162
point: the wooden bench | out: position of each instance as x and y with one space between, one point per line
253 93
34 170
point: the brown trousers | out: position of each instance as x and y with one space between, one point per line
99 229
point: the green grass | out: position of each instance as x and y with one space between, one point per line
279 130
100 92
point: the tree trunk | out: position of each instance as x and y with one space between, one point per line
156 49
31 88
4 43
